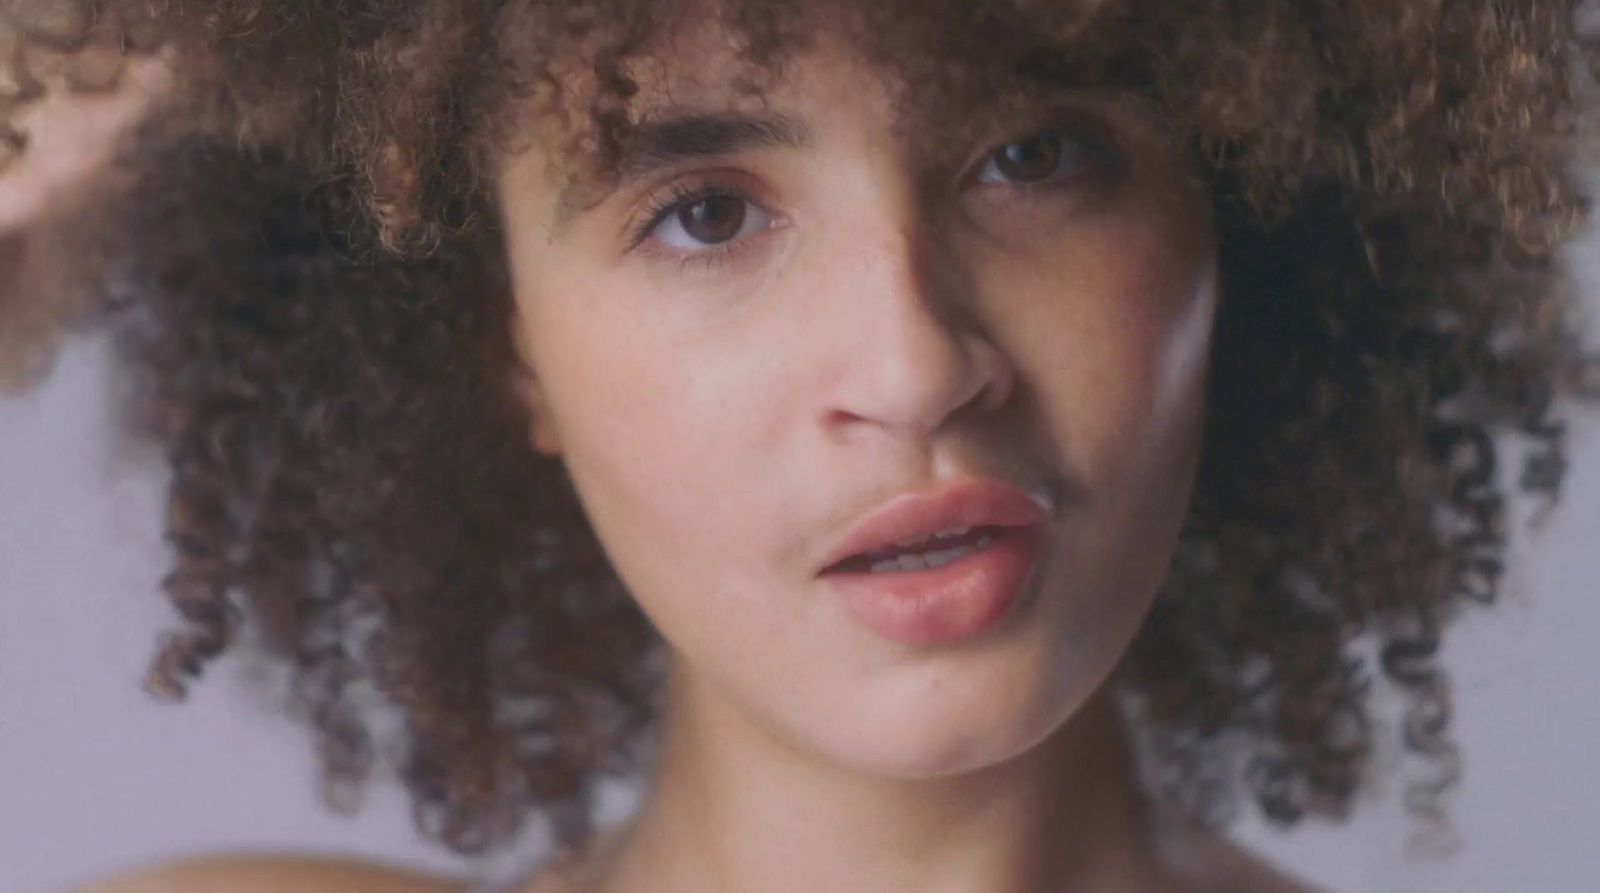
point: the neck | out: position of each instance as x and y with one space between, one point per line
736 811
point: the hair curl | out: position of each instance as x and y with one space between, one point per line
305 270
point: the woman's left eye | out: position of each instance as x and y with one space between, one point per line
1047 156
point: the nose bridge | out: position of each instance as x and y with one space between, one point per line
913 350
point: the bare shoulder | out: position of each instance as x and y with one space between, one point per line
1205 862
275 874
1251 875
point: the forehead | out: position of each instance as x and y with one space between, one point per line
935 65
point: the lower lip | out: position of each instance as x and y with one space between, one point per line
947 604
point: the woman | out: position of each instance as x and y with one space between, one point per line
943 446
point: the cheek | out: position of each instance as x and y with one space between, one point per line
1113 341
625 418
660 425
1113 338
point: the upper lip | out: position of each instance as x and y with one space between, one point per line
972 502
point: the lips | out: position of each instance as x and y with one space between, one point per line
947 605
972 503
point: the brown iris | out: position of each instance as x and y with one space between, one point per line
714 219
1031 159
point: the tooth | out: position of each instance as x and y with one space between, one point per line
952 533
940 559
913 561
916 561
921 560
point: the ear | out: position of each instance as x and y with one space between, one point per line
541 424
526 385
541 421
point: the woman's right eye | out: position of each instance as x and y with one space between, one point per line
699 222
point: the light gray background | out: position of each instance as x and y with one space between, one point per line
96 778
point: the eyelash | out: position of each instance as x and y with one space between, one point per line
677 197
1103 150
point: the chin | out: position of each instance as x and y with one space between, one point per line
943 730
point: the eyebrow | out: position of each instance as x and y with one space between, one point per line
665 142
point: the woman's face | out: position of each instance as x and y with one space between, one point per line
787 313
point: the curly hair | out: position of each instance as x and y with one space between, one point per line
302 262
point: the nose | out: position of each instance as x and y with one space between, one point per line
913 353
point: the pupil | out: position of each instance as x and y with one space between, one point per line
713 220
1032 159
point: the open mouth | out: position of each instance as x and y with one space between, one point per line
924 553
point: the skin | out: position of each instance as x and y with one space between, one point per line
888 316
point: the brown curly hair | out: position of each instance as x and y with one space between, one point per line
302 261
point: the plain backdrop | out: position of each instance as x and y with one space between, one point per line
96 778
